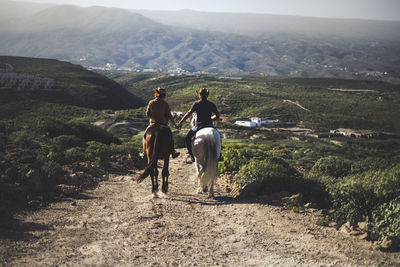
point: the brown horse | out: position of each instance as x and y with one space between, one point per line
157 145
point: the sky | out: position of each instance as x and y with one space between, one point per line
359 9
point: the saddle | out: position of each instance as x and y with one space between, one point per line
202 127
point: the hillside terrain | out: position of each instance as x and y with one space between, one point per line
59 82
66 171
353 104
46 110
110 38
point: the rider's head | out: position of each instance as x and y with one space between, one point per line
203 93
160 92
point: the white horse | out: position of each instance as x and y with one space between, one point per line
206 149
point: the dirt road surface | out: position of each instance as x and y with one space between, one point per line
120 224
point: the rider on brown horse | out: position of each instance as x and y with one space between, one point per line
204 110
159 112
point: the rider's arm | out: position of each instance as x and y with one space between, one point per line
169 115
173 121
216 114
148 110
187 115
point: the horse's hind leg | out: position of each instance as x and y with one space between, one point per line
154 182
199 174
211 189
165 175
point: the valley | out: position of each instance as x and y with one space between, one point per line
205 43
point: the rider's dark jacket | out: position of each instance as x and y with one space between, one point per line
204 110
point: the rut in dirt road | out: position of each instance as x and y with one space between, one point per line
120 224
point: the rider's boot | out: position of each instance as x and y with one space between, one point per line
174 154
190 159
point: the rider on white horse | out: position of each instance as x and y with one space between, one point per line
204 110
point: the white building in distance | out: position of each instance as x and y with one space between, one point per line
255 122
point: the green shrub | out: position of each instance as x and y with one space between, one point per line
132 147
280 152
275 175
386 221
64 142
233 159
74 154
328 169
51 127
51 169
60 145
371 163
355 197
3 141
98 152
179 140
26 138
88 132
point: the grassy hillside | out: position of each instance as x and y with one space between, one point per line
48 146
61 82
327 103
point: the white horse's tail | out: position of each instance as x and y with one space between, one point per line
207 149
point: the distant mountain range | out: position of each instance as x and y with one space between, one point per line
138 40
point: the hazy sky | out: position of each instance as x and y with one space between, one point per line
366 9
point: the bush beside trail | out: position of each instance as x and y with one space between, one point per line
47 158
360 190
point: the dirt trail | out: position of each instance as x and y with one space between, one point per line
120 224
297 104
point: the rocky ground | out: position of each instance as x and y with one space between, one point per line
119 223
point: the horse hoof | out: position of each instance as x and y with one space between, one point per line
205 189
155 195
199 190
164 189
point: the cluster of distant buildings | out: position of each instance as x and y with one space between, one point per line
115 67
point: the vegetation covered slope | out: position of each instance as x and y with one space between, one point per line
48 146
327 103
60 82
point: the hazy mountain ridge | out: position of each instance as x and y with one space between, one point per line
266 24
98 36
11 10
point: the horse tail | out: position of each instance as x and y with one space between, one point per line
211 164
154 157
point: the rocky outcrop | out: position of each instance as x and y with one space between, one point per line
25 82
